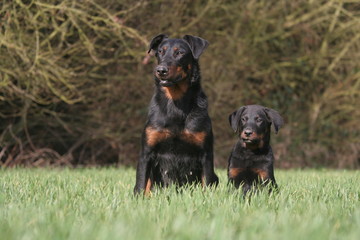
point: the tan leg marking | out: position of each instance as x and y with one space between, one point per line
148 187
203 183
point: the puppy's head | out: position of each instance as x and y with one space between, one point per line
253 123
175 57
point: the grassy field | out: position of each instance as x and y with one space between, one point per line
98 204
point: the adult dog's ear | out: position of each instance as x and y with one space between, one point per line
235 118
155 42
275 118
197 45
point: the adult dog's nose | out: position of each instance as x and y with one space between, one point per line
162 70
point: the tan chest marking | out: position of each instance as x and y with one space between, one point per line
234 172
261 173
196 138
176 92
154 136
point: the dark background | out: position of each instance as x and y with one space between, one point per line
75 79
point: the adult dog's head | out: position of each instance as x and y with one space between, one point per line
176 57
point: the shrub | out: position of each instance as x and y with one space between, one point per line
74 87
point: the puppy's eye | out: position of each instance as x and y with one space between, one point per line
243 119
259 120
160 51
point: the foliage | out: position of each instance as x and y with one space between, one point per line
98 204
75 82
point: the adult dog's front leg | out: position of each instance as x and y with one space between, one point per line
143 180
208 174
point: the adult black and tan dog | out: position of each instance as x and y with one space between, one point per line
252 161
177 142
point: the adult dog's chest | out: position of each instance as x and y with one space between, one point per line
175 132
177 142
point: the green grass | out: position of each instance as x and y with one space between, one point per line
98 204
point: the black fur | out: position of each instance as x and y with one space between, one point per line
177 142
252 161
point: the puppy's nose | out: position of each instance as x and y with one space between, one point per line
162 70
248 132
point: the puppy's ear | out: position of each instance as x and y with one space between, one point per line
197 45
274 118
155 42
235 118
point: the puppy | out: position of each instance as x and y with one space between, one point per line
251 161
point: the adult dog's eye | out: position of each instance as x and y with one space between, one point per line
243 119
179 53
259 120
